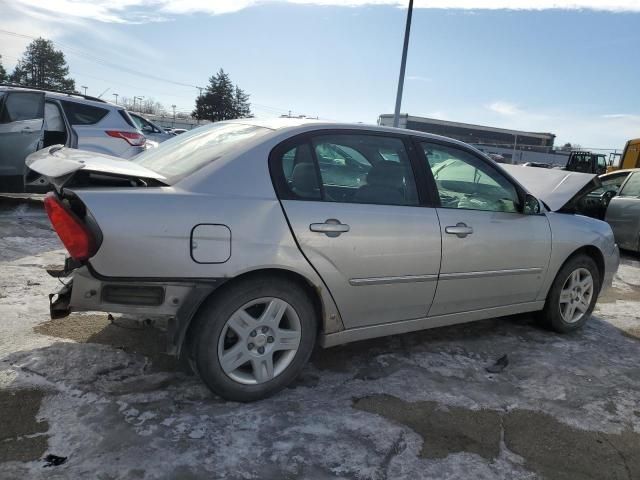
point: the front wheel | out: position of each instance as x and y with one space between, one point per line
573 295
254 340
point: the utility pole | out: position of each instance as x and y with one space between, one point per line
403 64
116 95
200 89
134 102
85 89
174 115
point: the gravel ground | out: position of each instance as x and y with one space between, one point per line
420 405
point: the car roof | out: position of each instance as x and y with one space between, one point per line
69 96
302 125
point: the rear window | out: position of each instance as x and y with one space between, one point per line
180 156
82 114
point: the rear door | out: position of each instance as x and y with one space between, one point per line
623 214
352 202
21 123
492 254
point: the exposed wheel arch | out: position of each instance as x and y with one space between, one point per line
267 273
594 253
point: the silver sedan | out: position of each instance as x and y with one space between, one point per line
258 239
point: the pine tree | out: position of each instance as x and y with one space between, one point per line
3 72
222 100
241 105
43 66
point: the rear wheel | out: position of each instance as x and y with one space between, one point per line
573 295
253 340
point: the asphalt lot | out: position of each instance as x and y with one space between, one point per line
413 406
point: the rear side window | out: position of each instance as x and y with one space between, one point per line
300 172
632 187
82 114
349 168
20 106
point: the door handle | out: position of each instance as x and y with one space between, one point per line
461 230
26 130
331 227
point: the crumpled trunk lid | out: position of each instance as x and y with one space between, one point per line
61 166
560 190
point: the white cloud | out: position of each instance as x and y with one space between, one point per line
504 108
418 78
139 11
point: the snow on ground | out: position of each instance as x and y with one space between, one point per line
412 406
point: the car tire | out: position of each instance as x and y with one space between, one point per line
240 324
573 295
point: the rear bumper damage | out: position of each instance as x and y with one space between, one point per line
175 301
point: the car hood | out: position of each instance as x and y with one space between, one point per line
558 189
60 165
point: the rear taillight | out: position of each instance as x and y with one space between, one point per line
75 236
132 138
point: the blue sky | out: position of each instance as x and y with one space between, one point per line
572 72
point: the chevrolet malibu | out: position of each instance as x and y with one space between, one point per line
256 240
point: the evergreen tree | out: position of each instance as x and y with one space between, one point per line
222 100
3 72
241 105
43 66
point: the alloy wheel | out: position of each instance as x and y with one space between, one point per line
259 340
576 295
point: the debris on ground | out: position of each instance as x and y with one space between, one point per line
499 365
53 460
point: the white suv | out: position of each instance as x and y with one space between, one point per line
32 119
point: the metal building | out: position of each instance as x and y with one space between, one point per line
506 142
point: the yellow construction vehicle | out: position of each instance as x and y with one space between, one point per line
630 156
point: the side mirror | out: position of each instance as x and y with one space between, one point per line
531 205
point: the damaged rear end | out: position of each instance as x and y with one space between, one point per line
75 175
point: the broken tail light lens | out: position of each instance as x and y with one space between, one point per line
75 236
132 138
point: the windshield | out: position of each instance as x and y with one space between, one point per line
183 155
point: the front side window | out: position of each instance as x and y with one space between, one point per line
20 106
465 181
632 187
82 114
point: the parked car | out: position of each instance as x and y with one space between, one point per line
150 129
617 201
251 269
32 119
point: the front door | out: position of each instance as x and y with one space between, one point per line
492 254
352 203
21 123
623 214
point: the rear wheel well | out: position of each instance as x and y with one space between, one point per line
267 273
